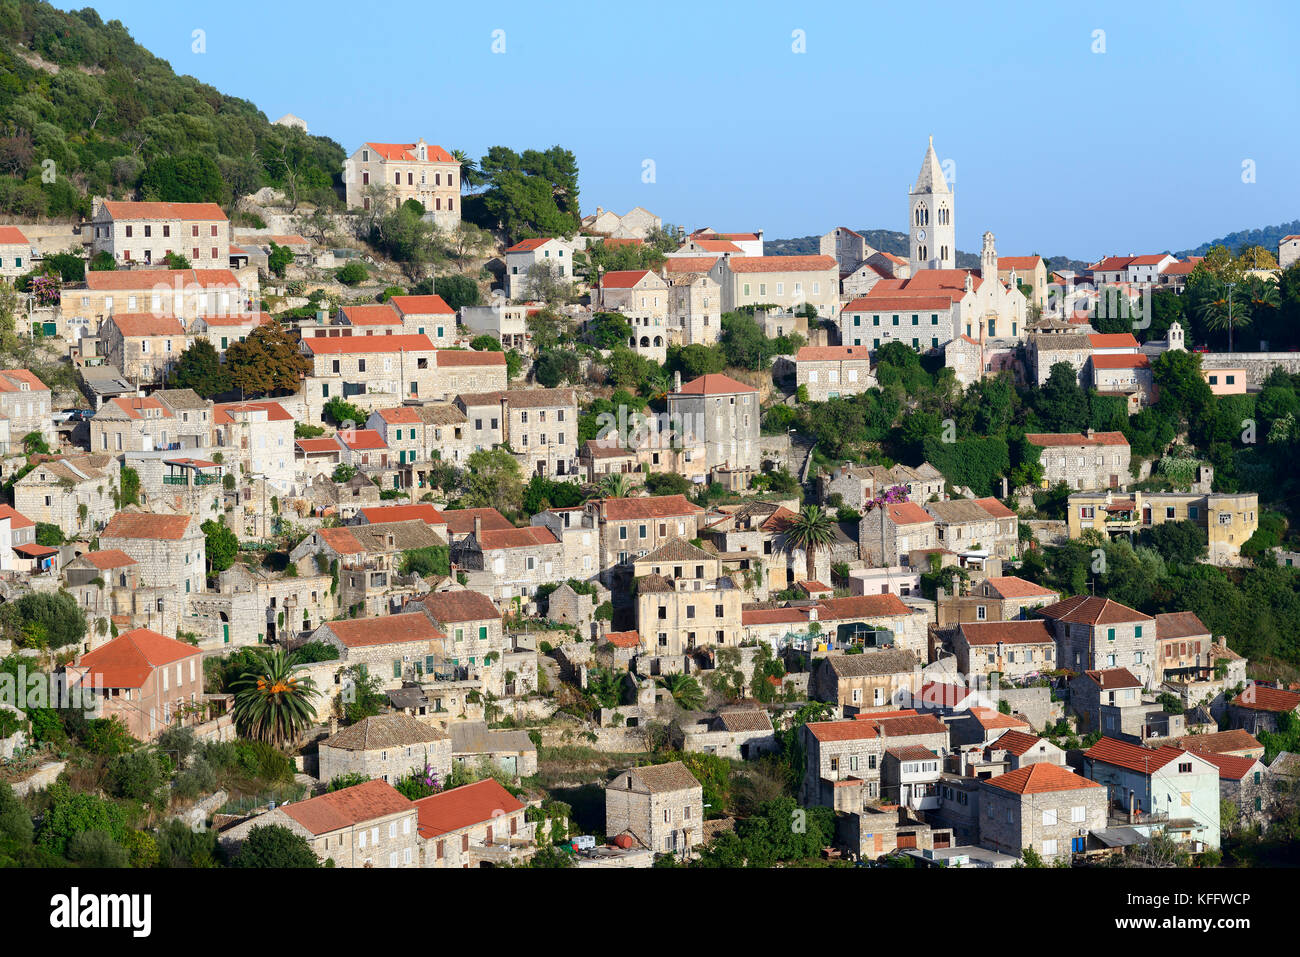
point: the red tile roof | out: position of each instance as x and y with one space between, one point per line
457 606
654 506
749 264
146 324
347 807
687 264
323 345
624 639
1039 778
341 540
909 513
991 720
146 210
1259 697
109 558
862 606
1231 767
1219 742
362 440
1090 610
1109 679
317 445
528 245
530 536
458 358
147 525
129 659
460 521
12 236
1010 586
994 507
841 730
1125 755
1059 439
911 752
716 245
907 725
623 278
1121 362
16 518
151 279
1016 742
772 616
1180 624
378 315
423 512
1031 632
404 152
275 412
463 807
134 405
832 353
421 305
1114 340
34 384
891 303
35 551
385 630
1018 262
713 383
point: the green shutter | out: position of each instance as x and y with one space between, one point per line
482 632
397 668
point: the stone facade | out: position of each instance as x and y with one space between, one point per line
890 534
388 747
1229 520
828 372
662 806
1094 634
1089 460
1043 807
144 233
397 172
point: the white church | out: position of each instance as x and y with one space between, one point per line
975 319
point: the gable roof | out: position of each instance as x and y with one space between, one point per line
1016 742
422 512
12 236
343 345
127 209
623 278
463 807
745 264
882 661
460 521
1179 624
1051 440
1219 742
713 383
404 152
663 778
1012 586
908 513
131 324
457 606
384 630
108 558
460 358
147 525
1040 778
275 412
129 659
1259 697
744 719
397 729
370 315
16 518
994 507
1030 632
653 506
347 806
1091 610
1122 754
1110 679
421 305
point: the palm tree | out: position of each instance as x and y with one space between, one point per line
811 530
1218 311
606 686
470 175
686 691
273 702
615 485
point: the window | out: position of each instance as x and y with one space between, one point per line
1078 814
1185 767
1049 847
1049 817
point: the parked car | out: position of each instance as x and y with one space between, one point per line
83 415
64 415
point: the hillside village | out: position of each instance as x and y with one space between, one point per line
341 530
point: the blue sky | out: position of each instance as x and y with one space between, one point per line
1057 149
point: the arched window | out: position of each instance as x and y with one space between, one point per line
922 253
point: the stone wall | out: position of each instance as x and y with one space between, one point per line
1257 364
1034 704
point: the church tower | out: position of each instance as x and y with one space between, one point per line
931 216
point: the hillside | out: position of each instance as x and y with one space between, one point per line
1268 237
115 120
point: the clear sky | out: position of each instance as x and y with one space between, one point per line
1058 149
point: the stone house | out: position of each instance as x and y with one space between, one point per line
133 424
363 449
661 805
1083 460
145 679
15 253
579 537
968 527
367 825
828 624
909 777
1013 649
171 549
1043 807
427 316
421 171
996 598
370 559
505 323
475 825
446 435
1097 633
1109 701
74 492
255 605
1028 271
509 564
401 429
1182 646
1257 708
259 437
684 601
144 346
185 294
828 372
1020 750
393 648
467 371
1246 784
631 528
370 371
1128 376
873 680
368 319
473 744
888 535
694 307
145 232
1053 341
736 733
842 764
721 413
1166 787
225 330
789 282
642 297
25 402
982 727
388 747
102 582
473 629
539 426
636 223
1229 520
857 485
544 251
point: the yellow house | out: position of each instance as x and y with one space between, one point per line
1228 519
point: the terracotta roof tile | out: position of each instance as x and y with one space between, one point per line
347 807
1259 697
129 659
463 807
1031 632
147 525
1039 778
385 630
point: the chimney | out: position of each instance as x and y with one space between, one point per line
1004 486
334 725
677 381
478 528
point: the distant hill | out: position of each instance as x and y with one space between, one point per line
115 120
886 240
1268 237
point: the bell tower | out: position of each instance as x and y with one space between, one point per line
931 217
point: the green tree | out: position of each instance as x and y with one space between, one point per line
339 411
457 291
534 193
199 368
267 361
1062 405
221 544
280 258
432 560
685 690
50 620
608 330
494 480
185 178
275 846
555 368
273 702
352 274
